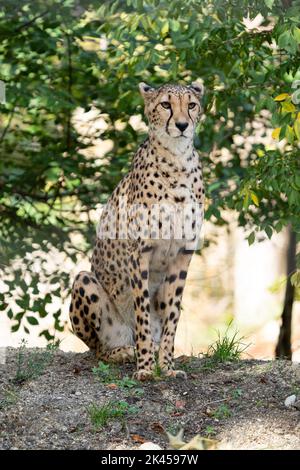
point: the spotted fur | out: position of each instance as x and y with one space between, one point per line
128 305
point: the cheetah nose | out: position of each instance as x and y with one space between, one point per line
181 125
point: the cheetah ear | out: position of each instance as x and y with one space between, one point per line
145 90
198 88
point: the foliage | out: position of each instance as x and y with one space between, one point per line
108 374
221 412
31 365
63 55
10 397
226 348
101 415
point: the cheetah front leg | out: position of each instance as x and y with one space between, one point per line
139 270
170 296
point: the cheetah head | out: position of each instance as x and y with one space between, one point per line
173 110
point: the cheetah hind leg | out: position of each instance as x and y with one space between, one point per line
85 309
91 315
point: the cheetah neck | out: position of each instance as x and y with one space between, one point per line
178 146
171 152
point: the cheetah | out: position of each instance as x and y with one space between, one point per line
127 307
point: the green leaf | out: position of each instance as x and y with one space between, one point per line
32 320
175 25
47 335
269 3
10 314
290 136
269 231
3 305
296 33
246 201
15 327
283 39
251 238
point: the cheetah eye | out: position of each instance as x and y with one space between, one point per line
192 105
166 105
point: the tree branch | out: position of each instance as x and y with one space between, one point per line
30 22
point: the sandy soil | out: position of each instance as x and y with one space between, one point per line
45 401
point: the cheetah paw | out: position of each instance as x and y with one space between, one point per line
143 375
125 355
177 374
119 355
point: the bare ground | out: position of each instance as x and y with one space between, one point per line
239 404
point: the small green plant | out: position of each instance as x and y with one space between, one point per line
170 408
237 393
127 382
259 403
138 392
227 348
221 412
210 431
295 389
108 373
32 364
174 428
9 399
157 372
101 415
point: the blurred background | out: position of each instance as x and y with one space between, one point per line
71 119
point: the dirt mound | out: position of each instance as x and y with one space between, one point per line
55 400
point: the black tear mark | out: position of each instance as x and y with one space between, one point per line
167 125
190 116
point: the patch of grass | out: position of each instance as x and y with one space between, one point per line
259 403
109 373
237 394
31 365
221 412
9 399
138 392
209 431
157 372
227 348
127 382
295 390
170 408
101 415
174 428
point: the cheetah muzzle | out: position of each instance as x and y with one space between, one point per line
128 306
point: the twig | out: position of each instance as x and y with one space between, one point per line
216 401
28 23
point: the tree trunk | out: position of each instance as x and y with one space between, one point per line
283 348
